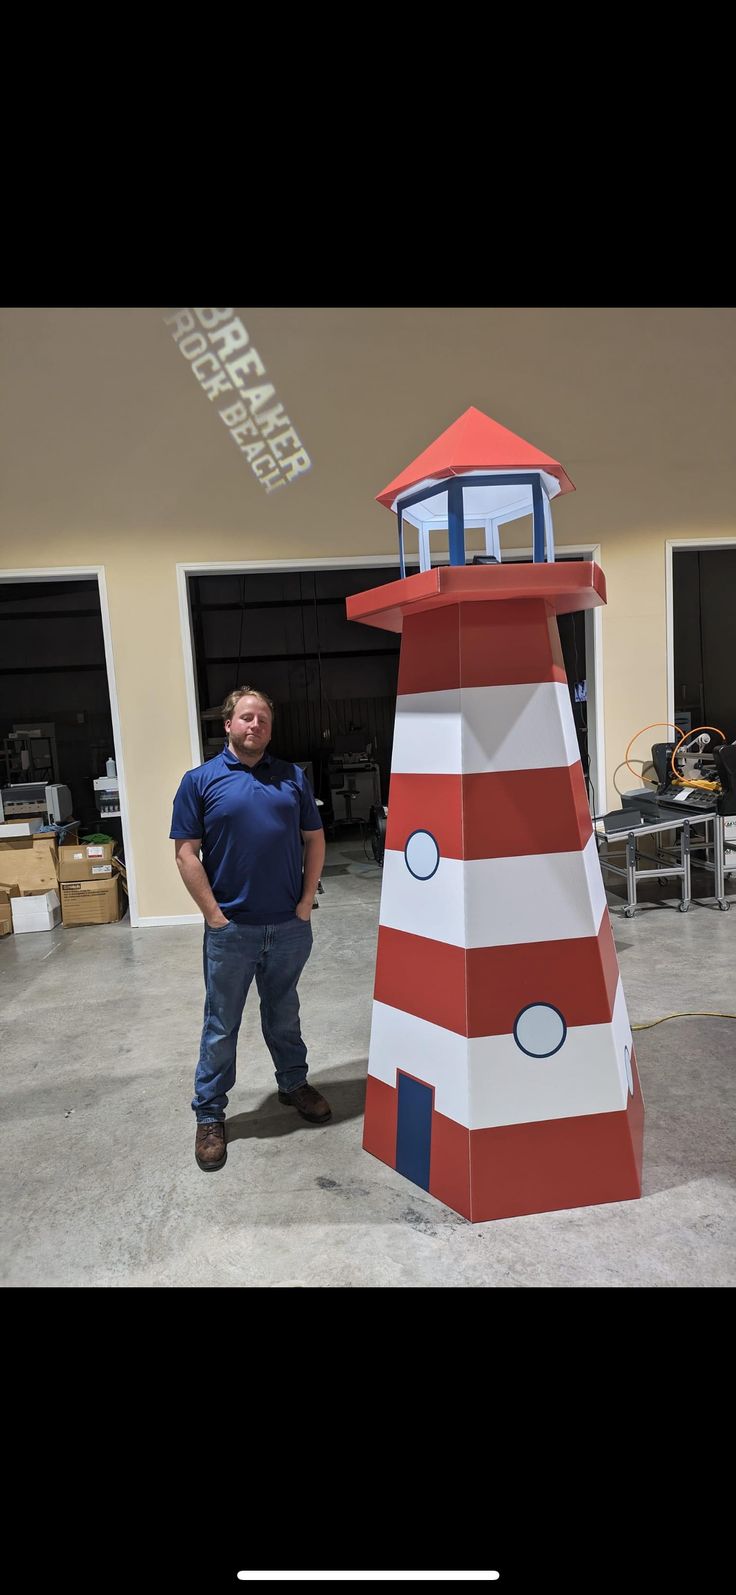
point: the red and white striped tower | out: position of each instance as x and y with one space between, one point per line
502 1073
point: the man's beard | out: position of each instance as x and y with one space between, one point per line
242 745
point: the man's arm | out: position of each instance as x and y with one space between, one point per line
192 872
314 857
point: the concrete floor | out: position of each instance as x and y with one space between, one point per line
100 1031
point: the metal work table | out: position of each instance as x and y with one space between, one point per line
681 823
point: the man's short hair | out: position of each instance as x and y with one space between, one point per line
233 698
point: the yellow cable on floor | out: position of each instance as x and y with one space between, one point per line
683 1016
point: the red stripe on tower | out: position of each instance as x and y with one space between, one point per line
538 1168
454 647
479 991
494 814
379 1126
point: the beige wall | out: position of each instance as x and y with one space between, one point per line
113 456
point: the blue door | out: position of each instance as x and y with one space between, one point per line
414 1130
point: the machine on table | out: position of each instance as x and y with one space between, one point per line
31 785
709 760
107 794
674 804
355 781
703 778
53 802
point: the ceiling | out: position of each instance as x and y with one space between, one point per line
103 426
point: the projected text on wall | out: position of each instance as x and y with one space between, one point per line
228 368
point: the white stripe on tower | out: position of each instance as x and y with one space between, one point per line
492 902
468 730
487 1081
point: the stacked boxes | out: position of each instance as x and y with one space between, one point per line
88 884
43 882
28 880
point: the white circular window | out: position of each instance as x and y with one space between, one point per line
422 855
540 1030
629 1075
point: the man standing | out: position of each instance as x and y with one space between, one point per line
249 814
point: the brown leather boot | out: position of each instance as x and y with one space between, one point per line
310 1103
209 1146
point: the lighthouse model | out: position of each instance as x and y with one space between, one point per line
502 1076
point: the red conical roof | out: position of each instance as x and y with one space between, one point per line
474 443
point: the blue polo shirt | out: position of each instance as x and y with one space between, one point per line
250 822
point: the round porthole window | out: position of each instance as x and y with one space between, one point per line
539 1030
422 855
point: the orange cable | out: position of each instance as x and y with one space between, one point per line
708 786
672 727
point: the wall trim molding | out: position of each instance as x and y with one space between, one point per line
147 920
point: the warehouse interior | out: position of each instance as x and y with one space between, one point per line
147 567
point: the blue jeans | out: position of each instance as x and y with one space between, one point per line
233 954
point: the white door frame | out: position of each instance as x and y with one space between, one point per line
673 546
78 572
593 635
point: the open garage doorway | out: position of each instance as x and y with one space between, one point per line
333 682
701 591
59 722
284 629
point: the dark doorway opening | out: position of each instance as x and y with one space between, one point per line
333 681
704 607
53 679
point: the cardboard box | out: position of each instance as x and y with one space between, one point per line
27 844
35 911
16 844
11 830
45 844
7 892
85 861
27 866
92 902
50 841
121 870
